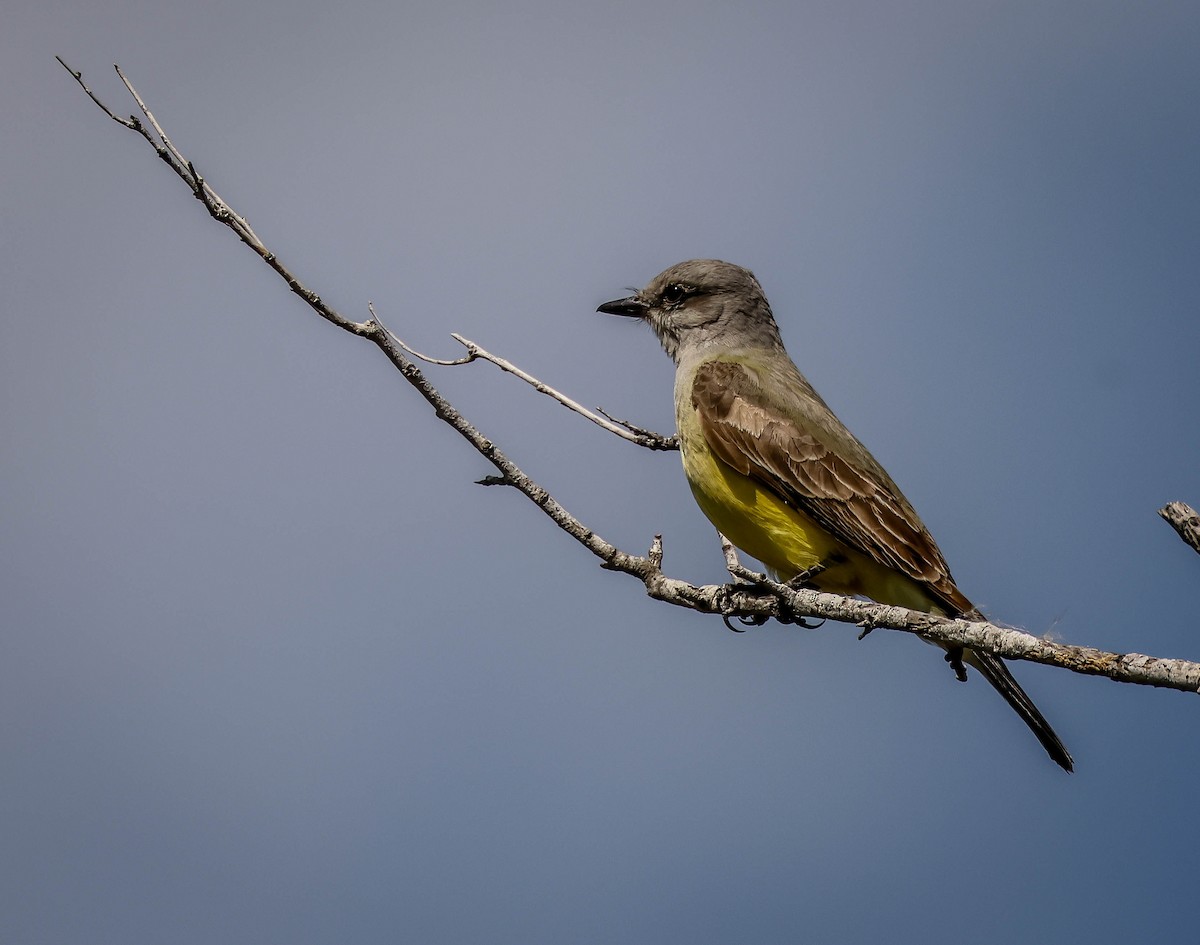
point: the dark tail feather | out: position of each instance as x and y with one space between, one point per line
995 672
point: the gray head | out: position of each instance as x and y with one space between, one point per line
703 303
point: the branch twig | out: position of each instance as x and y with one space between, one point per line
763 598
475 352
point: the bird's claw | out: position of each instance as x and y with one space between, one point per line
754 620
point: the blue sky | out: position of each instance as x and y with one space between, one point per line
275 670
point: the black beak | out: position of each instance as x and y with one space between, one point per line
632 307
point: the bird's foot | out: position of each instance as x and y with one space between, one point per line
955 659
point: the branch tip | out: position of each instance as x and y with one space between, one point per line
1186 522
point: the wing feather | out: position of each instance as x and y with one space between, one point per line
809 460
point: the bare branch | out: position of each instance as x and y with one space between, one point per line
174 151
641 437
1185 520
475 352
772 599
758 600
130 123
668 442
466 359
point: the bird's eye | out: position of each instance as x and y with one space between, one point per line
674 293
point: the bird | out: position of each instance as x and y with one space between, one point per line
780 476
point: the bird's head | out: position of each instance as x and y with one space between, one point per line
702 303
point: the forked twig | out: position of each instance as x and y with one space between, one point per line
475 352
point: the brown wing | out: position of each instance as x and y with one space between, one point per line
811 461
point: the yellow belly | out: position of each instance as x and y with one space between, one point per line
784 539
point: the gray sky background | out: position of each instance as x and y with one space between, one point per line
274 670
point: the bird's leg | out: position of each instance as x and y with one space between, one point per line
804 578
955 658
804 581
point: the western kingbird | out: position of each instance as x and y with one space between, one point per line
781 477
